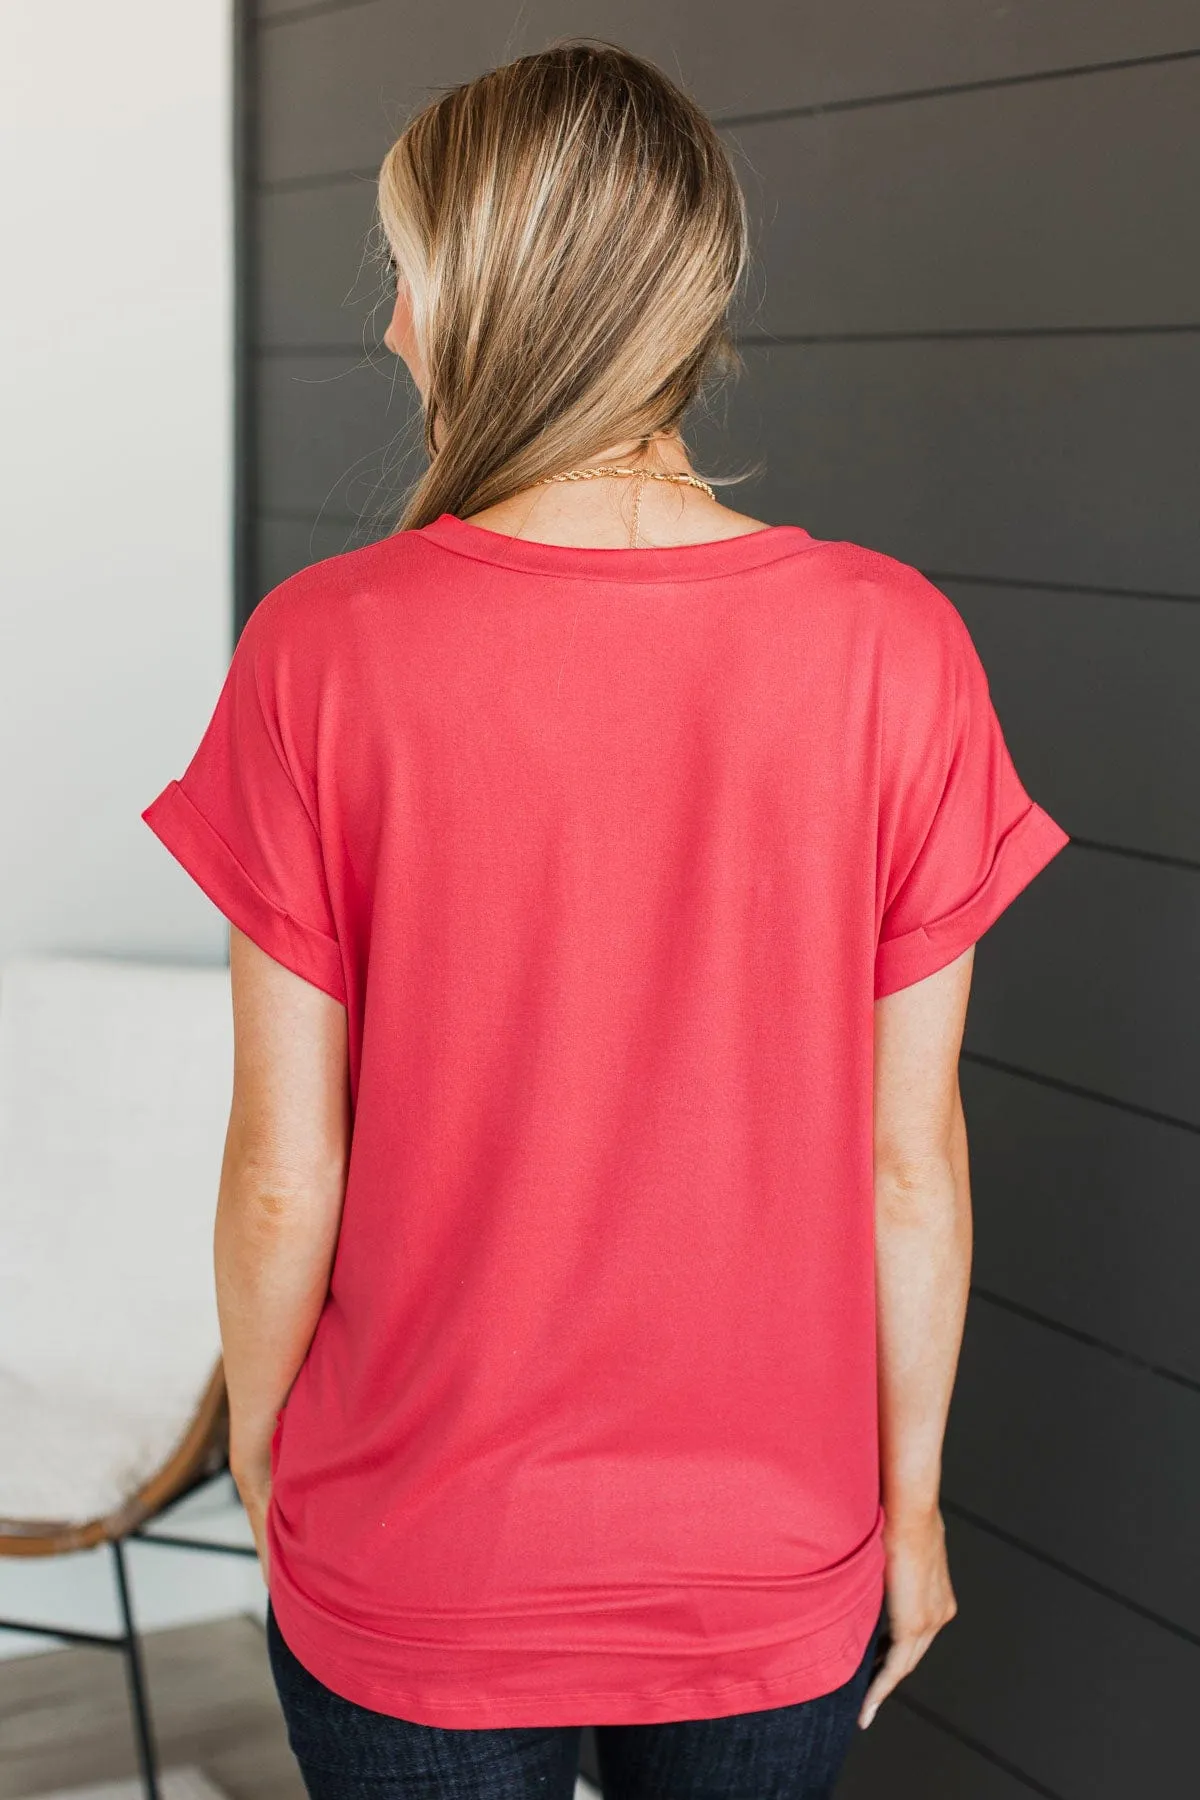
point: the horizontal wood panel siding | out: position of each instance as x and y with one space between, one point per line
928 451
373 63
1020 208
329 427
900 218
1084 1697
1049 460
338 298
1098 697
285 12
1081 979
1086 1214
908 1757
1089 1458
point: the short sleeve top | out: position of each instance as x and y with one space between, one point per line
608 855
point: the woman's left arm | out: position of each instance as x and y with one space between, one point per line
279 1207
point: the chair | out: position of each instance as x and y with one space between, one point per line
115 1082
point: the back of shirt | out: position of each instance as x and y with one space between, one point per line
608 854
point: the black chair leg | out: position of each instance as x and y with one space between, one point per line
138 1697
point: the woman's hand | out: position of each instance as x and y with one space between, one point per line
920 1601
254 1489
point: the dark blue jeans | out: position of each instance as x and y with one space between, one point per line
348 1752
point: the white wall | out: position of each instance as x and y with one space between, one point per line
115 597
115 481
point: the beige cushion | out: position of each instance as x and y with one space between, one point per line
115 1080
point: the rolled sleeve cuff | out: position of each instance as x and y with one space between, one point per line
179 824
1022 853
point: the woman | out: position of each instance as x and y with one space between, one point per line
604 868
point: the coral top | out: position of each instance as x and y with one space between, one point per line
608 854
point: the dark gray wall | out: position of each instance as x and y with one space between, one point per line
972 343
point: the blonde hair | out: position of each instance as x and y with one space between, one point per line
572 234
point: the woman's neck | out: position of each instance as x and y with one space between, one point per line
598 514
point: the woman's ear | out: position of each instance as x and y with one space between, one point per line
400 337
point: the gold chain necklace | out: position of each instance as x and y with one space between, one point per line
640 475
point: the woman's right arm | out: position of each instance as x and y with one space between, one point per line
923 1238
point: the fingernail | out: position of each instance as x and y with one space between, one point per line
867 1717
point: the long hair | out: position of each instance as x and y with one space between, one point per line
572 235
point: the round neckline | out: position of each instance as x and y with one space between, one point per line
668 562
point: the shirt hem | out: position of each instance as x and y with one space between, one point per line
850 1633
